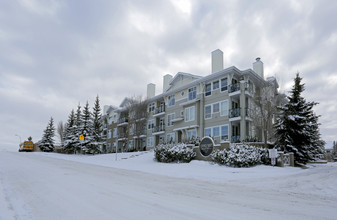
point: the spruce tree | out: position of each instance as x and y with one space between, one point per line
70 137
47 142
297 128
98 139
77 128
87 131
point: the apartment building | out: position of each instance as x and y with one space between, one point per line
219 105
125 127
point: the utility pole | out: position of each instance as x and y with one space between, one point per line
19 138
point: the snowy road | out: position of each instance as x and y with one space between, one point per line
33 186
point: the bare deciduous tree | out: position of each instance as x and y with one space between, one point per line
135 114
60 131
264 107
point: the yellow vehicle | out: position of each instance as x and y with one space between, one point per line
27 146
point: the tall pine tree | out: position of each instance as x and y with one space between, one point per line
98 141
87 131
70 137
47 142
297 128
78 128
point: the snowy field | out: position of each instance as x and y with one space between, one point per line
134 186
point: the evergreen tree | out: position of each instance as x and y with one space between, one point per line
87 131
297 128
70 137
98 138
77 128
47 142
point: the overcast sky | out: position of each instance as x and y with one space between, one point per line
55 54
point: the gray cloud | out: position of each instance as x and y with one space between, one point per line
55 54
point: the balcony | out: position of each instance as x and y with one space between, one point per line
122 121
248 112
249 89
159 111
236 139
160 129
235 112
234 87
121 136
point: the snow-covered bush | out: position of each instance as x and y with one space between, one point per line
219 156
264 155
168 153
240 156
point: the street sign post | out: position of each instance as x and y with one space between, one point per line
81 137
273 156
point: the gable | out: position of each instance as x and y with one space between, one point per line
181 79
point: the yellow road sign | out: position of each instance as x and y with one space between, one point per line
81 137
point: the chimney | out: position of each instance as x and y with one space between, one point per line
258 67
166 82
151 90
105 109
217 61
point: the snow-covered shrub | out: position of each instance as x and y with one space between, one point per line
168 153
219 156
239 156
264 156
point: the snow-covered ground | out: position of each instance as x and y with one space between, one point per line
134 186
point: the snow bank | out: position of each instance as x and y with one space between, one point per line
316 179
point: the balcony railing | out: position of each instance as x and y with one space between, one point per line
123 120
234 87
159 109
236 139
122 135
158 128
235 112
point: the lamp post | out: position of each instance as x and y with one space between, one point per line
19 138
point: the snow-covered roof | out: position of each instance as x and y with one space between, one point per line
252 76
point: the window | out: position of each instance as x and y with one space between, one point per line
192 93
130 144
216 108
208 111
150 142
223 84
215 85
170 138
170 117
150 124
109 134
171 100
224 132
110 120
191 134
115 133
216 132
208 132
190 114
224 108
208 89
132 129
151 107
